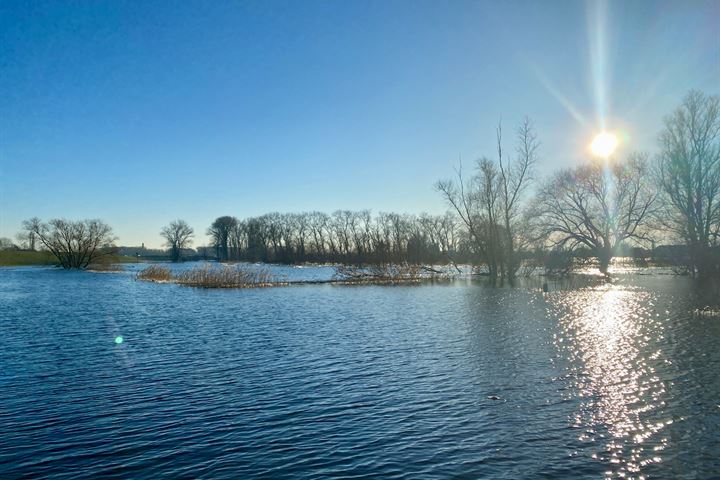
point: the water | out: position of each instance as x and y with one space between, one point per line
591 380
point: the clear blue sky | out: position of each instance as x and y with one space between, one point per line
142 112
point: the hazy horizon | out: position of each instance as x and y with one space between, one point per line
141 114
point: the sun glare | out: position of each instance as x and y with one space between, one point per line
604 144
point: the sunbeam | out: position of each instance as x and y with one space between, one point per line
567 104
597 41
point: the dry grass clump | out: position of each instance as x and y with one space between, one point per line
155 273
239 276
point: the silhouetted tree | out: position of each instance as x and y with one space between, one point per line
178 235
689 178
597 207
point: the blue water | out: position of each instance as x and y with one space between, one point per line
590 380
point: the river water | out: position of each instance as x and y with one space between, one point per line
104 376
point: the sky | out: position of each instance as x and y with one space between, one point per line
139 113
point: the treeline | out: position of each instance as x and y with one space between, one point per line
351 237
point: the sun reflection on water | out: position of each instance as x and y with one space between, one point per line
604 337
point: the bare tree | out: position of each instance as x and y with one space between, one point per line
178 235
515 178
597 207
689 177
26 236
491 202
76 244
462 195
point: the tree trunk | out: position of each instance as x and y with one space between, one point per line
604 257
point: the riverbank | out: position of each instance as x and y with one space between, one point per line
13 258
19 258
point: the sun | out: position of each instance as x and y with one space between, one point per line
604 144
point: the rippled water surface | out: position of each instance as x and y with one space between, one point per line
589 380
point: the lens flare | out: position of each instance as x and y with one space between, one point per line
119 340
604 144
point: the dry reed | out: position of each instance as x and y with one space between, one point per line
209 276
224 276
155 273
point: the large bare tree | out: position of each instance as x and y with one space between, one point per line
75 244
597 206
689 176
178 235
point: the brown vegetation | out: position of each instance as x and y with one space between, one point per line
155 273
210 276
237 276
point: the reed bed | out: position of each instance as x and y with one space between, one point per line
155 273
238 276
210 276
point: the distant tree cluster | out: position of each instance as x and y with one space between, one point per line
353 237
7 244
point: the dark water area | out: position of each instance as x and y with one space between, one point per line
589 380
